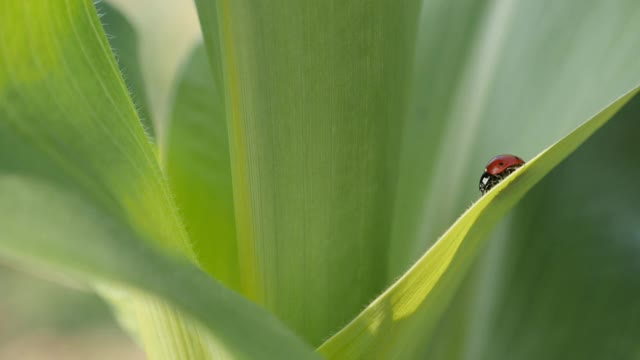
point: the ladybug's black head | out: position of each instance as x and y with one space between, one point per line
487 181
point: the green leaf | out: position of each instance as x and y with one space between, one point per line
167 34
388 326
314 94
64 102
199 170
82 191
207 13
497 77
493 85
125 44
566 283
47 225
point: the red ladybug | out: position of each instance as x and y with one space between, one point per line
497 170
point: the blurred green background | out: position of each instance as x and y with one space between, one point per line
39 319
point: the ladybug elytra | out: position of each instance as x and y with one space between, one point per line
497 170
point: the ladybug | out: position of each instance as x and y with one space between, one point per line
497 170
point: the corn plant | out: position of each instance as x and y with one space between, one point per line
314 193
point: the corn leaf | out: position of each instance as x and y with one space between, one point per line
314 93
387 327
199 170
82 191
47 225
494 77
559 278
125 45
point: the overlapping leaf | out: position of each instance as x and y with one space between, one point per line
126 46
199 170
82 191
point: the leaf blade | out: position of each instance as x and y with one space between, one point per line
565 273
199 169
74 156
313 92
379 329
494 86
114 255
123 38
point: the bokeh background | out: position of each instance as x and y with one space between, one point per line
48 319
